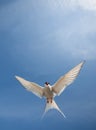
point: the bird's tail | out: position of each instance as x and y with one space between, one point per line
52 105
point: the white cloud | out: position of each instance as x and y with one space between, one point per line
68 33
87 4
84 4
88 52
77 40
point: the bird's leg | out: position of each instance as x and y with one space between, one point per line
51 99
47 100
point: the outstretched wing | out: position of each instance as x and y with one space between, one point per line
30 86
67 79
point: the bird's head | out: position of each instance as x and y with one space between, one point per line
46 84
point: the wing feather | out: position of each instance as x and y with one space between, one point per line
31 86
67 79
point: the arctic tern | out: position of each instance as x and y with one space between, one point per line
48 91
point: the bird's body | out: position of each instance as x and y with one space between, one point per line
49 92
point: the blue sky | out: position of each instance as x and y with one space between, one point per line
41 40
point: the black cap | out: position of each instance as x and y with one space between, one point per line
47 83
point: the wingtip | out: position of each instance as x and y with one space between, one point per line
17 77
84 61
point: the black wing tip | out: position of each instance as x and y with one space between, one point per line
83 62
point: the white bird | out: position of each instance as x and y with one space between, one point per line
49 92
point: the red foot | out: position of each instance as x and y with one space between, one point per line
49 100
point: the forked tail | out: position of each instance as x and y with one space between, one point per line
52 105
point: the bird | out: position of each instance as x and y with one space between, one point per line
49 92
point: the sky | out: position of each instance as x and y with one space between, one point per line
40 40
